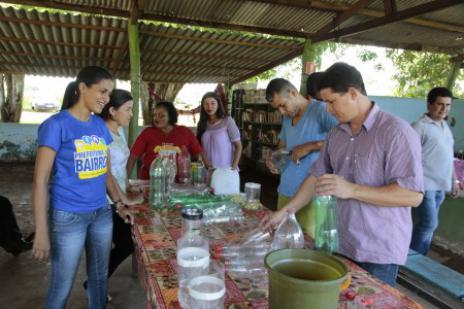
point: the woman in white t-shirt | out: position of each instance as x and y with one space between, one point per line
117 115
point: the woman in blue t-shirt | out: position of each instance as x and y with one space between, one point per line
71 176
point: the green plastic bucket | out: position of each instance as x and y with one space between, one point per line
306 279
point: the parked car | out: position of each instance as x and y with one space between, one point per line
45 105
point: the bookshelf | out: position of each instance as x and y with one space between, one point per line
258 122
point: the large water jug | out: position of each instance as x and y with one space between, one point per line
158 183
225 181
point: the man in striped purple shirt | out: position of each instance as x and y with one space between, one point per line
372 163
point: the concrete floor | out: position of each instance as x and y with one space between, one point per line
25 281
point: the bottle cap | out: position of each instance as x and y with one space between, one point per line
192 213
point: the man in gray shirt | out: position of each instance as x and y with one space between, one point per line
437 161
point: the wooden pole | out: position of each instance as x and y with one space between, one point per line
310 62
134 51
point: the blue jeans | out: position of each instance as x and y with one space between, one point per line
385 272
70 233
427 221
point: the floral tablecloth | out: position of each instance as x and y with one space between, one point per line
155 234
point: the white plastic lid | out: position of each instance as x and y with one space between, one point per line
206 281
252 185
193 257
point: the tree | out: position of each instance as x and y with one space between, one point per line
418 72
10 104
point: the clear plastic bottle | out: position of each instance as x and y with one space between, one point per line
158 183
288 233
326 223
279 159
171 166
183 166
192 261
191 220
252 249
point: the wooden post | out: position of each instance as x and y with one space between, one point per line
134 51
310 62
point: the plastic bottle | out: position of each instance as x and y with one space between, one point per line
193 258
158 183
253 249
171 166
288 233
326 223
183 166
279 159
191 220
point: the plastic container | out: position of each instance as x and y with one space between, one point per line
225 181
192 261
252 249
191 220
252 192
279 159
198 174
208 291
326 237
184 174
158 192
288 234
257 235
171 166
303 279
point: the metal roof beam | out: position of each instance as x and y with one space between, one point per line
342 16
225 25
88 8
269 66
216 41
308 5
382 21
58 24
9 40
390 7
207 56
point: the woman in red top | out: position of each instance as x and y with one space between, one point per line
163 131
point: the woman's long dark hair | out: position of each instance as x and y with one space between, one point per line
117 99
89 76
203 122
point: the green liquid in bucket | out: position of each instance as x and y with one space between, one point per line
306 270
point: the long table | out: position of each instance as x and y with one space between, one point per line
155 234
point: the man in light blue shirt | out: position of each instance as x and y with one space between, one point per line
437 161
305 125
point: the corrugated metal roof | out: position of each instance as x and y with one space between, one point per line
45 42
60 44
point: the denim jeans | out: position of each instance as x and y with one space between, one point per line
385 272
70 233
427 221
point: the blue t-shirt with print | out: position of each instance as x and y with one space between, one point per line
78 177
312 127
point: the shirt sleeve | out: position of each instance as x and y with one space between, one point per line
140 144
49 134
403 162
232 130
